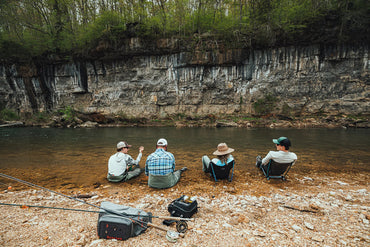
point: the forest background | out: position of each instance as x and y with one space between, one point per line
34 29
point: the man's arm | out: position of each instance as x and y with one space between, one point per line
173 162
146 165
130 161
138 158
266 160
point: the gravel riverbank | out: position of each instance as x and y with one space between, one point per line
320 210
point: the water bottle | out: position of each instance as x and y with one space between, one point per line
185 199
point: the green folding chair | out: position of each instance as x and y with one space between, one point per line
276 170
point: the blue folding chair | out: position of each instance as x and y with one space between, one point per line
276 170
223 172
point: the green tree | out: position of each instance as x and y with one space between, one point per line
37 27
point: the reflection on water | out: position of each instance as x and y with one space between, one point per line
75 154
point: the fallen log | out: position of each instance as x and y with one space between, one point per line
11 124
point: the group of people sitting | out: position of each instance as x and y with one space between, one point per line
160 165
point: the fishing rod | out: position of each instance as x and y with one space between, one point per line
90 204
46 189
181 227
9 186
47 207
88 211
182 224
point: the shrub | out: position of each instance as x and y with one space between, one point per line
265 105
68 113
8 115
41 117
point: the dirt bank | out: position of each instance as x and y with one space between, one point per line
92 120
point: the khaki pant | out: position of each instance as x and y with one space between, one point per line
125 176
164 181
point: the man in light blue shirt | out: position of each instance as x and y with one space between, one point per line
160 167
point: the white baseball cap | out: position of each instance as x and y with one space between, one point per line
162 142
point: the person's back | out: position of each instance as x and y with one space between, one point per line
160 167
220 160
216 166
160 162
282 155
117 164
121 166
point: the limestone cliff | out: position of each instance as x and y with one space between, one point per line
299 80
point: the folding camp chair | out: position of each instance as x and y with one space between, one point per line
222 172
276 170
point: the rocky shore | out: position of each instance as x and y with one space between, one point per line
306 210
93 120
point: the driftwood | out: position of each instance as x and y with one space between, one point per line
83 196
11 124
302 210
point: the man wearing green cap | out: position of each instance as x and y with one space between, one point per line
282 155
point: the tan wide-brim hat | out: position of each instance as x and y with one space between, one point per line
223 149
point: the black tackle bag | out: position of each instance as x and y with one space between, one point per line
182 208
121 222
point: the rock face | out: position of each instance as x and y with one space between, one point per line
289 81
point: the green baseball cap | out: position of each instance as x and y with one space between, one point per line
279 140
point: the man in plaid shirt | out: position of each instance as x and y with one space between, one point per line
160 167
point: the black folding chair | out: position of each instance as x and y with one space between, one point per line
276 170
223 172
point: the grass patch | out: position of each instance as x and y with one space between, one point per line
265 105
68 113
42 117
8 115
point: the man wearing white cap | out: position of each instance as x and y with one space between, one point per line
160 167
121 166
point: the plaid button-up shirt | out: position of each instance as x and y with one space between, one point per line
160 162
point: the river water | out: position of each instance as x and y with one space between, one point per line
63 157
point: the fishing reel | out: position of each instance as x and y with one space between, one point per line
181 226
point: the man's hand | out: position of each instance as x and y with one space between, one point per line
141 149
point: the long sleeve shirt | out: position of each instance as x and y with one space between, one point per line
160 162
280 157
118 163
